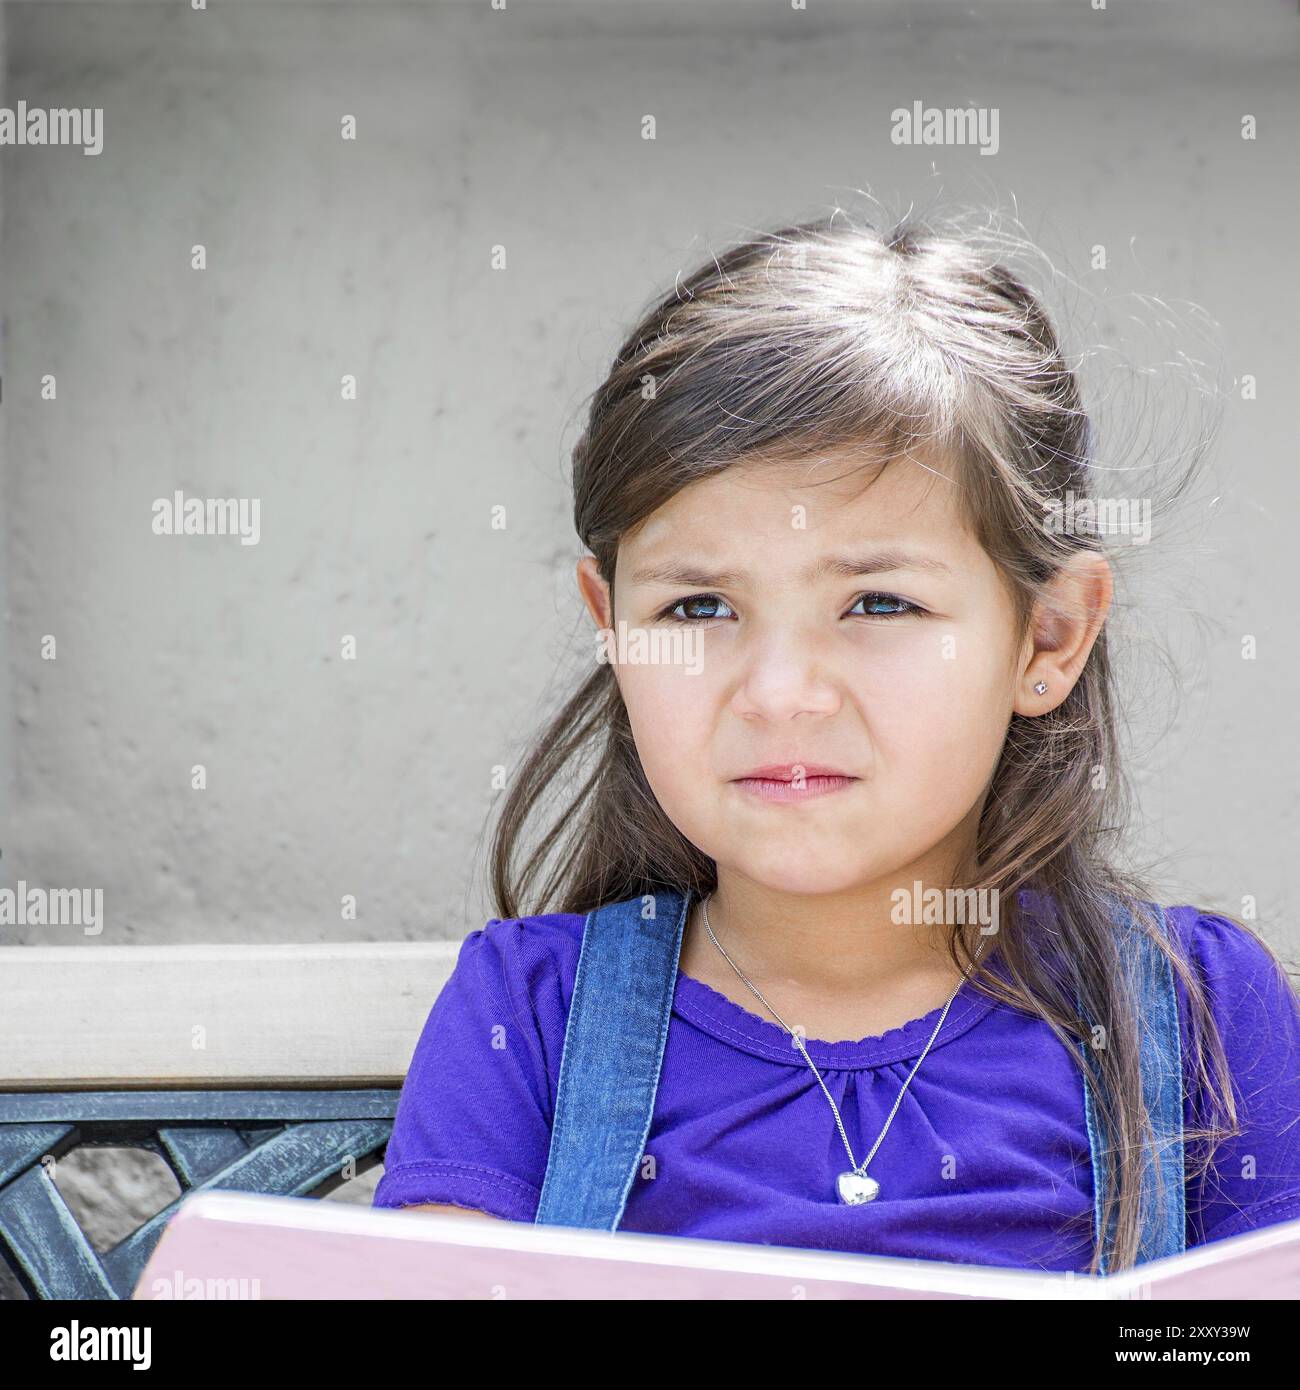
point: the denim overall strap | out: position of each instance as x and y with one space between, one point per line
1163 1226
613 1047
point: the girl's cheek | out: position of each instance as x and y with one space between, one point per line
669 709
942 716
913 681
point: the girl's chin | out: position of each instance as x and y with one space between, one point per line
810 876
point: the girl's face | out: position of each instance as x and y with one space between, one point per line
834 707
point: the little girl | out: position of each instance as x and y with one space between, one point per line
836 957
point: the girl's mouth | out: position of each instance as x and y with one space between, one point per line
793 782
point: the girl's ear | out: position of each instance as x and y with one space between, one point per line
1065 625
595 592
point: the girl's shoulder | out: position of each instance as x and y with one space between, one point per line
550 932
1252 1000
1235 961
533 961
555 937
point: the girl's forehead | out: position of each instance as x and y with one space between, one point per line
810 504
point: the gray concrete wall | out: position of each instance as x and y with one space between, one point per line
373 777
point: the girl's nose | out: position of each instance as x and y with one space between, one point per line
785 677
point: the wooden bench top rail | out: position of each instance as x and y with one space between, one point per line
332 1015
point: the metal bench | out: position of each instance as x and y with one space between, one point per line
270 1069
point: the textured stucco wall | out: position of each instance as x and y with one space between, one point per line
373 777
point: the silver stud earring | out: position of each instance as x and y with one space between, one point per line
1040 688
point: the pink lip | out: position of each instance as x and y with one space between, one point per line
793 781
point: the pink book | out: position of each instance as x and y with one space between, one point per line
230 1245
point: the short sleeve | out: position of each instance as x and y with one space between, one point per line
473 1121
1254 1178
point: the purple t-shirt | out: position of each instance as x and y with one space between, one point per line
987 1160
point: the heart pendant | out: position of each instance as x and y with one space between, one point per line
856 1188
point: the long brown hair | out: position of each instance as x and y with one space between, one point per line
828 334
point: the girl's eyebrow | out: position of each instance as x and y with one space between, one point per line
842 566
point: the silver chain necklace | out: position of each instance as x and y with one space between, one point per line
854 1187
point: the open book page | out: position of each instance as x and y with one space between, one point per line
235 1245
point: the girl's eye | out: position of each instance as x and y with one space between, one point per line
882 606
699 608
703 608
